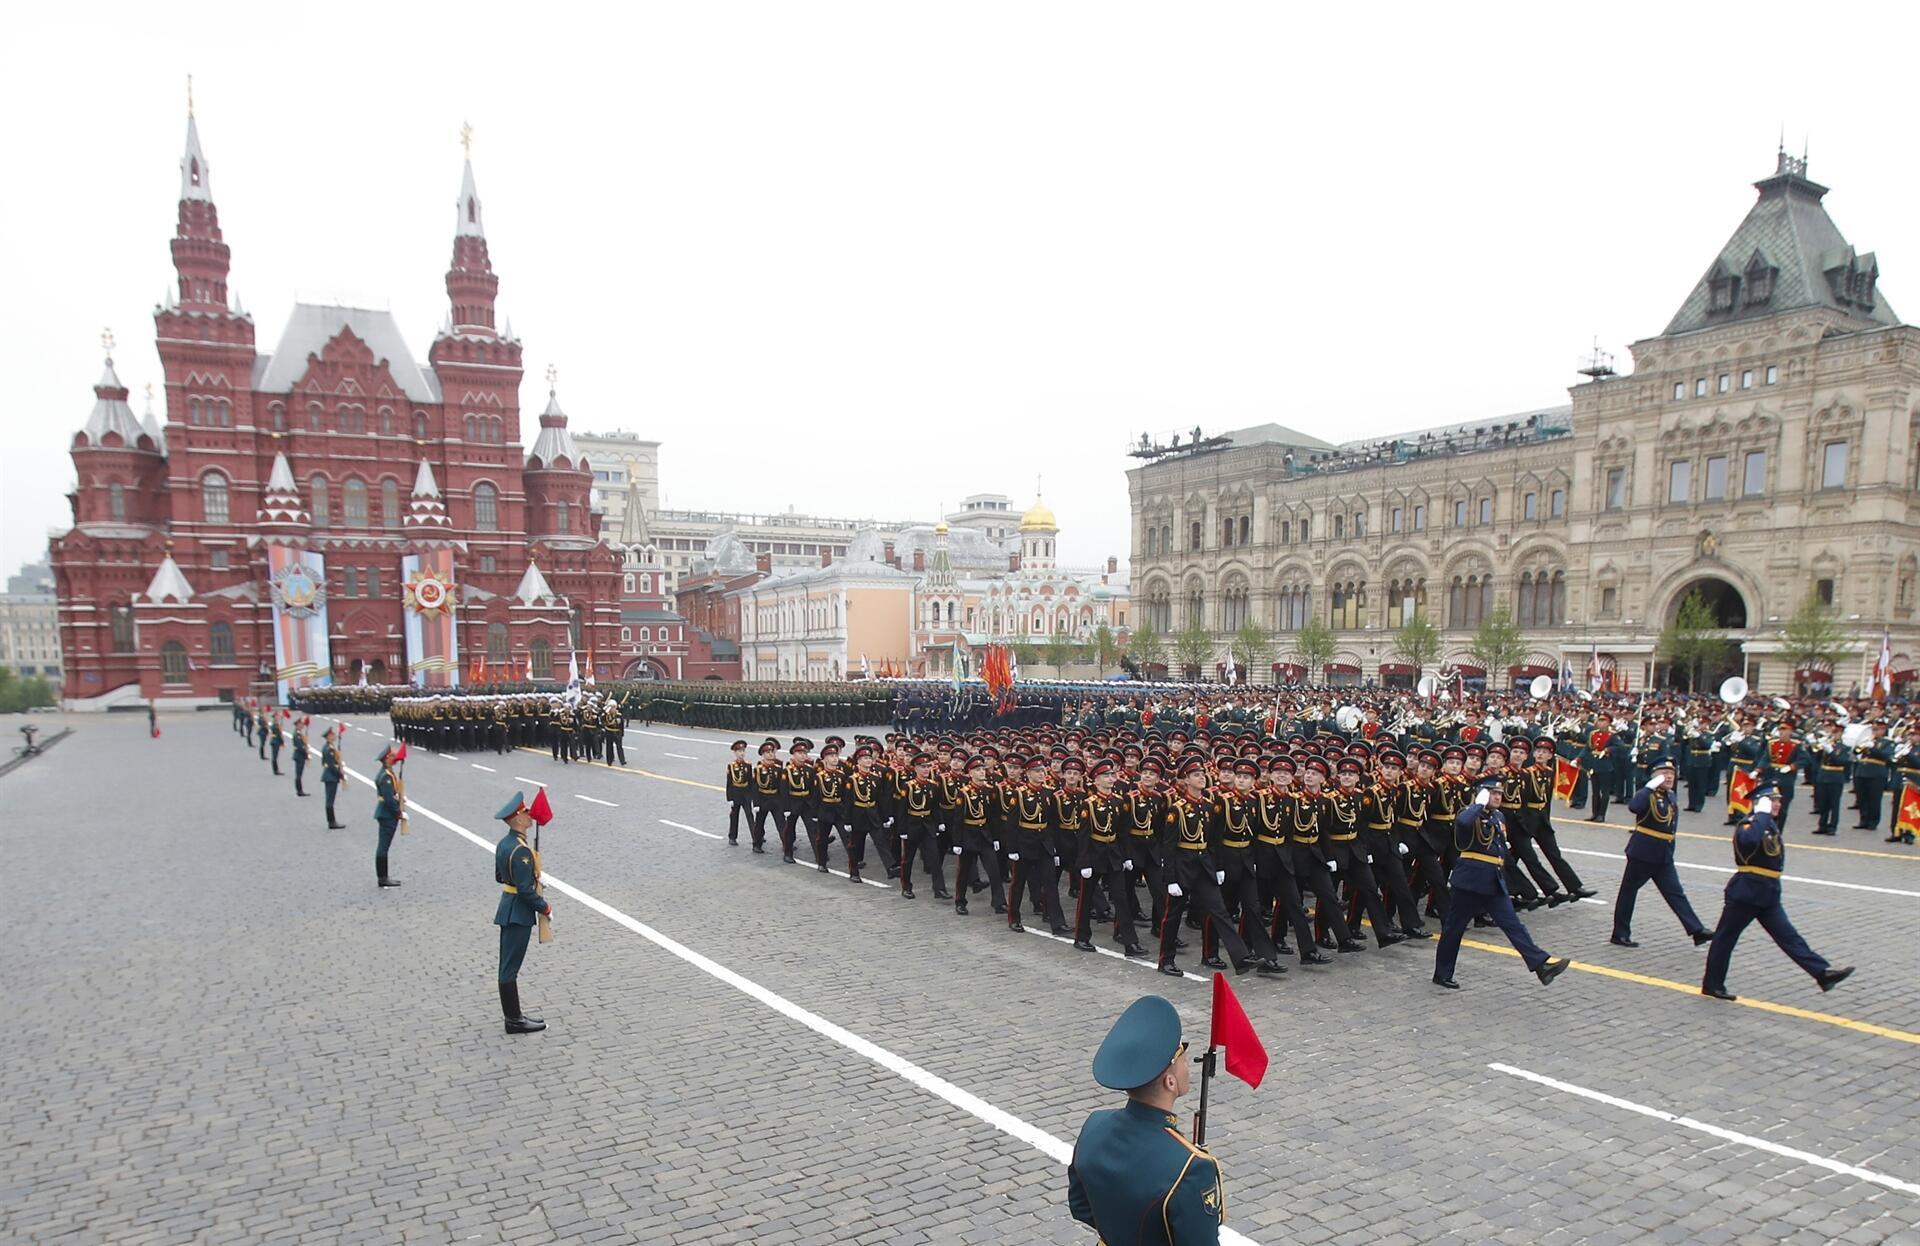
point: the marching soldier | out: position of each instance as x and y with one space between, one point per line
516 867
1479 889
1650 850
1753 894
613 728
1192 876
769 787
739 791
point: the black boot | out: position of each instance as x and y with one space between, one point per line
380 869
517 1022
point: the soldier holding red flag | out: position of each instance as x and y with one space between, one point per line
516 867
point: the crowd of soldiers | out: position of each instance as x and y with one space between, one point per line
574 726
271 729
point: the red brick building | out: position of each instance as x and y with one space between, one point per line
329 459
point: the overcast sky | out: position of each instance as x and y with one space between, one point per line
864 259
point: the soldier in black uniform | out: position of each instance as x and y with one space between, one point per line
1031 859
1307 855
1192 876
739 791
613 728
769 791
798 813
916 826
865 796
974 837
1236 821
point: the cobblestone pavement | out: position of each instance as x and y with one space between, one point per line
224 1032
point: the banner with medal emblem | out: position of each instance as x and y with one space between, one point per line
433 651
298 580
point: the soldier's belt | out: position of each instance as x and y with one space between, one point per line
1276 841
1762 871
1035 827
1647 830
1841 769
1185 846
1236 843
1382 827
1099 839
1341 839
1481 856
1410 823
510 889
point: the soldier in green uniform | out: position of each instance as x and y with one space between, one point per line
1134 1177
331 773
387 811
516 867
300 757
277 740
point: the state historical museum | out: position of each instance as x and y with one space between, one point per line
333 510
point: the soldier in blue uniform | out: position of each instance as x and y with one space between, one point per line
516 867
1753 894
1479 889
331 773
387 810
1134 1176
1650 858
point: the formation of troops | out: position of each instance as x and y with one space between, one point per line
573 726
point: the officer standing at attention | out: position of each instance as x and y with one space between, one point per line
331 773
1650 858
516 867
1753 894
278 740
300 757
1479 888
386 813
1134 1177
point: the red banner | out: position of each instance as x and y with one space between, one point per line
1740 785
1909 819
1566 777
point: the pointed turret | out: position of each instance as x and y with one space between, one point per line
280 504
633 520
169 583
200 256
150 424
554 446
469 223
111 416
196 175
471 284
940 577
533 590
426 509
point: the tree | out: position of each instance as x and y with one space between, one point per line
1252 646
1060 651
1194 647
1105 649
1498 645
18 694
1418 641
1146 647
1693 640
1814 637
1026 653
1314 644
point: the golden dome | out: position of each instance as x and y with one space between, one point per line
1038 518
940 529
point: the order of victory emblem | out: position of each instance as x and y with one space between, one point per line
428 593
297 592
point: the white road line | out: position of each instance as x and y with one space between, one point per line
477 766
681 756
1727 1135
1056 1149
1044 934
595 800
684 739
1790 878
447 756
363 731
524 779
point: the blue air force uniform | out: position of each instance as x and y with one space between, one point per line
516 867
1753 894
1479 889
1650 850
1134 1176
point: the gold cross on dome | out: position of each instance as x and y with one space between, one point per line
466 138
553 375
106 340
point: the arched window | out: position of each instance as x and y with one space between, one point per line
542 654
121 623
1196 607
316 420
389 503
497 651
646 583
1160 610
1233 607
562 517
419 425
193 411
1469 600
576 627
117 502
322 508
1557 601
351 418
353 501
277 412
1193 536
1349 603
1406 601
1246 529
1293 603
173 663
386 421
220 644
1525 596
224 413
486 507
468 423
213 498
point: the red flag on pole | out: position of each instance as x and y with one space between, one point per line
1566 777
1908 820
540 811
1246 1056
1740 785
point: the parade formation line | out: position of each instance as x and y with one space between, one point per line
1054 1148
1727 1135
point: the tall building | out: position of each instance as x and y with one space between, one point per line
30 624
1761 451
331 508
623 462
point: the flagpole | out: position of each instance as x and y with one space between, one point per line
1206 1063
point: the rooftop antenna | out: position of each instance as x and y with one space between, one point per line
1599 365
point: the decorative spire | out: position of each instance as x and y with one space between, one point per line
169 583
555 444
111 416
471 283
533 588
425 509
150 423
200 256
196 176
468 222
633 520
280 503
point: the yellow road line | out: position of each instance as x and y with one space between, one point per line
1605 971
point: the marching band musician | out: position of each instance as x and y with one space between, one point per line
1785 758
1906 766
1872 769
1753 894
1828 761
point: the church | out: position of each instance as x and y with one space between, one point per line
333 510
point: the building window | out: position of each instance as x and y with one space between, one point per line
1469 600
117 502
1616 488
419 425
373 582
220 644
1486 510
1460 513
1746 378
322 512
173 663
277 412
389 504
1393 520
1196 612
1530 506
1725 383
1193 537
1679 390
353 501
487 563
1609 601
1823 589
1339 527
1246 529
1306 533
1716 478
1406 601
315 419
646 633
1773 374
1680 481
1359 523
213 498
497 652
1833 468
486 508
1420 519
1293 608
349 581
1233 608
541 654
1166 542
217 559
1700 387
562 517
628 584
1754 483
1286 532
121 623
1349 601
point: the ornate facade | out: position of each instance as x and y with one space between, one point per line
1765 447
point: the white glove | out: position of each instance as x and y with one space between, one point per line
1086 871
956 850
1402 848
1763 805
1173 889
996 845
1657 781
1013 856
1482 796
1127 865
1220 878
1056 863
1333 867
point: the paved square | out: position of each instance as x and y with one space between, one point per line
224 1032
